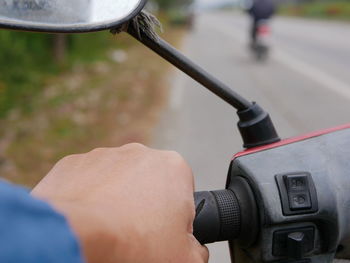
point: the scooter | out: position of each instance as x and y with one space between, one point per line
284 200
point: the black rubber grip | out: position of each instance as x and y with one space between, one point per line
218 216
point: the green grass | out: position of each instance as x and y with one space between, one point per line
328 9
26 62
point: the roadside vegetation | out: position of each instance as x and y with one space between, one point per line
325 9
64 94
28 60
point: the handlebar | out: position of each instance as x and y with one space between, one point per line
225 215
218 216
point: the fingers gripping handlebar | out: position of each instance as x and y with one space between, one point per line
226 214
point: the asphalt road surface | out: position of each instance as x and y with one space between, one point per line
305 86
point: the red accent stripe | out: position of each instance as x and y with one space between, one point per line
291 140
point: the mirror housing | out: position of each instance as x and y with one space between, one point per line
67 16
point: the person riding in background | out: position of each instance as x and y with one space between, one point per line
259 10
114 205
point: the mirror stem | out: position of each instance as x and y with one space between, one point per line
173 56
255 124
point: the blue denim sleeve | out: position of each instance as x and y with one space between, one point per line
32 232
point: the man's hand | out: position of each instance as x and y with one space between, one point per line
127 205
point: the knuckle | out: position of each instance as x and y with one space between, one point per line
176 157
69 158
134 146
178 161
97 150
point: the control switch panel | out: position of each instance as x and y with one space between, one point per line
297 192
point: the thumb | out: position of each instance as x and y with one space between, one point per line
201 253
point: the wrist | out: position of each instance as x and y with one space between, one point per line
95 240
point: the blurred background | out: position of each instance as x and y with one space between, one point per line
63 94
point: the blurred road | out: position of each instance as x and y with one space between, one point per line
305 86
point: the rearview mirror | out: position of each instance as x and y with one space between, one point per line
67 16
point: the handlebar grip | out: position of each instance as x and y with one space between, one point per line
218 216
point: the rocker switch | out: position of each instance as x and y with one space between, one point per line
296 183
298 191
295 245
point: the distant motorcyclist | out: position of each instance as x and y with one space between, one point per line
259 10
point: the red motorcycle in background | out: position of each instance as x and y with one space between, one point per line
260 12
284 201
261 46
